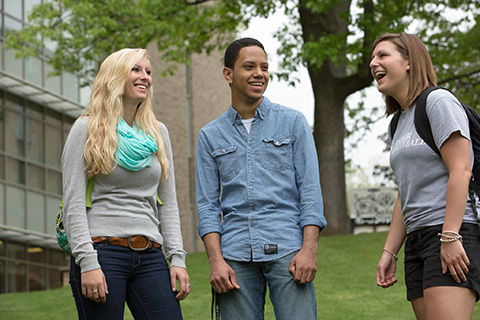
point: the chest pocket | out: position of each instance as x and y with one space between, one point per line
227 162
277 153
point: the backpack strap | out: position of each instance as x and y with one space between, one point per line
422 124
88 193
394 124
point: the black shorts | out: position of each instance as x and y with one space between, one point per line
423 267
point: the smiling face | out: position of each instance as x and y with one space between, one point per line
249 77
390 70
138 84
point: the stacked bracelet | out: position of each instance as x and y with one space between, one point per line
449 236
393 254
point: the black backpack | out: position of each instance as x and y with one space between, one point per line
422 125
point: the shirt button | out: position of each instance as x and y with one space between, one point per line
277 143
223 150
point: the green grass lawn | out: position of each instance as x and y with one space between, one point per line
345 288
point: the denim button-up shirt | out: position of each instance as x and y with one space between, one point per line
266 182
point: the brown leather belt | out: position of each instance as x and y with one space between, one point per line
136 243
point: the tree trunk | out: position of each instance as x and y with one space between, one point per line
329 139
330 94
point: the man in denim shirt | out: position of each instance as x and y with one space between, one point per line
257 164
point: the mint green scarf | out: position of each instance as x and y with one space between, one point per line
135 147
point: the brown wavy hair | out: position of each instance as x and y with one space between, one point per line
421 73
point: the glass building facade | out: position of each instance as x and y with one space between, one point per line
36 113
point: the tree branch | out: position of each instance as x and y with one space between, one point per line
195 2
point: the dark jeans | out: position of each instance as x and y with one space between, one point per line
142 279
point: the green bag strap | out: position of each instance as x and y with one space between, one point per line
88 195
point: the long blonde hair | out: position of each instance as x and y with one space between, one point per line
105 108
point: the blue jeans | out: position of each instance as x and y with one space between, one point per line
290 300
140 278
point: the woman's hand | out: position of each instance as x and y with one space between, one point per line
454 259
180 274
94 285
386 271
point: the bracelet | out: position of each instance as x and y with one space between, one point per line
393 254
450 236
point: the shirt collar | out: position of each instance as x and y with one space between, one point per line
260 112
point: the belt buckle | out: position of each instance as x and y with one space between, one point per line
138 249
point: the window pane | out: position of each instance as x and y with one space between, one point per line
2 119
14 133
16 268
36 212
14 102
2 274
85 94
58 258
34 72
51 82
52 209
2 208
53 117
2 171
1 30
12 64
54 182
15 171
36 278
16 277
53 148
36 177
14 8
58 273
36 274
34 110
15 207
29 6
70 86
34 140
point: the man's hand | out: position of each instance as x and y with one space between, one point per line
303 266
222 277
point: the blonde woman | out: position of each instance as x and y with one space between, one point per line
117 243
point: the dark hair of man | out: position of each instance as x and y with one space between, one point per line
233 50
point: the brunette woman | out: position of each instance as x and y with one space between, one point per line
433 213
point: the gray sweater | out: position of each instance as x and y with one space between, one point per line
124 203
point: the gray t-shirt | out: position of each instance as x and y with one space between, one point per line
124 203
421 174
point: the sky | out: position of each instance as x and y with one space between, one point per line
368 152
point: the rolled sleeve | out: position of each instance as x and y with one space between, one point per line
307 176
207 189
